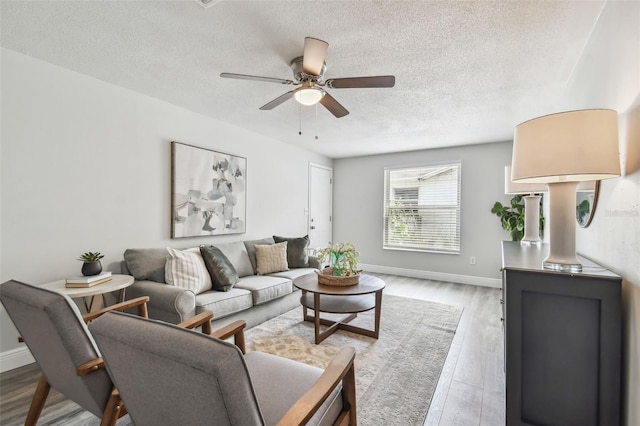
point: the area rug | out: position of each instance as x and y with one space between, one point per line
396 374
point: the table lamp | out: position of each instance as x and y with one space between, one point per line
561 150
531 205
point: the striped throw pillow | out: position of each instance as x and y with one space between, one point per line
186 269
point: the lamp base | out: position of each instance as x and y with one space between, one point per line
531 220
562 267
562 228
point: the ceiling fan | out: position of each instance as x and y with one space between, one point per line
308 73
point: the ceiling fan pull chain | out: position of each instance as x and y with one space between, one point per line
316 121
300 120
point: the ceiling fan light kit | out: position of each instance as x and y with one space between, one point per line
308 73
308 95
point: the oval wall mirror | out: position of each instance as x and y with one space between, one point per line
586 201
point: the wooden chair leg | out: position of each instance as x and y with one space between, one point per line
113 410
37 403
349 395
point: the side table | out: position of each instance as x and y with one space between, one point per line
118 283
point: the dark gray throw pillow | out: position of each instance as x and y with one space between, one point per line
223 274
297 256
146 264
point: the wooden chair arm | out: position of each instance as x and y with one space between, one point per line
202 319
235 329
140 302
90 367
339 369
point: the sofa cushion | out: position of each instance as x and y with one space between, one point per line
265 288
186 269
222 272
297 256
237 254
146 264
251 250
271 258
224 303
292 274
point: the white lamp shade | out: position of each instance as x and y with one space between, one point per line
511 187
587 186
569 146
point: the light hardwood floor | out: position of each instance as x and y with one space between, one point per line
470 390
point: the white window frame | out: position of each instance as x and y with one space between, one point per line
444 237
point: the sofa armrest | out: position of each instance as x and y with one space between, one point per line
166 302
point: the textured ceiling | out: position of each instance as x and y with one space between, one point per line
466 72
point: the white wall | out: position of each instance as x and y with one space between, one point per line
358 212
608 76
86 166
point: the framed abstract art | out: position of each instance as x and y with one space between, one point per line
208 192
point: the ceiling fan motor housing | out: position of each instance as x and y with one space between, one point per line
300 76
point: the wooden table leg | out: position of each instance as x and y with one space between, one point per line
378 310
341 324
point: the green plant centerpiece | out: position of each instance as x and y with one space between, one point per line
512 217
91 265
343 262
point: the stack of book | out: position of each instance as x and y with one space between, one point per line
88 281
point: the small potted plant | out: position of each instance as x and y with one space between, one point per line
343 261
91 265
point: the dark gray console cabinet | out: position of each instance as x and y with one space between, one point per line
562 341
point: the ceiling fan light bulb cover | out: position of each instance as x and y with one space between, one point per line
308 95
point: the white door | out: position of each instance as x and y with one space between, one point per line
320 196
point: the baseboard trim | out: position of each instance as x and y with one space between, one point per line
430 275
15 358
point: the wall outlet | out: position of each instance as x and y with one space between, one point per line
472 260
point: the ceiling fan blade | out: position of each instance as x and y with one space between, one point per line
277 101
315 52
333 106
256 78
361 82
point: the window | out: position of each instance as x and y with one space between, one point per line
422 208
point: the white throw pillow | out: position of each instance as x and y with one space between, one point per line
271 258
186 269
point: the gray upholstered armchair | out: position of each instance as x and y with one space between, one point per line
57 336
170 375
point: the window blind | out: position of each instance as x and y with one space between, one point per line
422 208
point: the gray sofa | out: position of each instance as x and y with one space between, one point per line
254 298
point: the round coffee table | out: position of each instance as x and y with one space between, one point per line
364 296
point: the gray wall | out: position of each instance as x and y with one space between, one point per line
86 167
358 209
